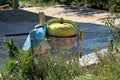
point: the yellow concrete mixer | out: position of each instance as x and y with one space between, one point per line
61 33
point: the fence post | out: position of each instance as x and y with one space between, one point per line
42 19
80 37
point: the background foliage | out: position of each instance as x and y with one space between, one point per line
100 4
2 2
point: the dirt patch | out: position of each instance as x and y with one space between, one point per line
71 12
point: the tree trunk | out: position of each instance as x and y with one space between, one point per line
15 4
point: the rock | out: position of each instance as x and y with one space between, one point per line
43 49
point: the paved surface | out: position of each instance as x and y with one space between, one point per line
96 36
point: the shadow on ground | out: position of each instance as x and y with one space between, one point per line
18 16
18 21
82 11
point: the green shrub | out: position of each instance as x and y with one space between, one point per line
2 2
24 3
20 65
27 66
109 66
114 6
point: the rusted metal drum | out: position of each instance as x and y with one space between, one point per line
61 43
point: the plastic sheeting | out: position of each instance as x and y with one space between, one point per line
35 37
